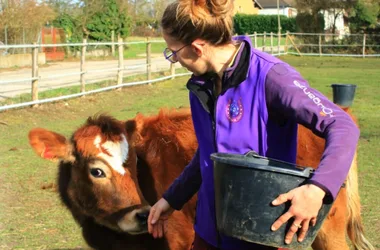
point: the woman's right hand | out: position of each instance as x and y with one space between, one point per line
158 216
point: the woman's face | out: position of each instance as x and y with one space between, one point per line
190 56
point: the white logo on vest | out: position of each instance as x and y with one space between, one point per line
325 111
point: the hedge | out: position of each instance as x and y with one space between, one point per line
248 24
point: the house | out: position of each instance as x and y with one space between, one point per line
245 7
287 8
341 21
269 7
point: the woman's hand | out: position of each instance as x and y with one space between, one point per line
305 201
158 216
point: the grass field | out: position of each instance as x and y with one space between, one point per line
31 215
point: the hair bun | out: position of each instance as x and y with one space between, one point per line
210 20
203 9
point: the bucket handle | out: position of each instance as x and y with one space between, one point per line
254 154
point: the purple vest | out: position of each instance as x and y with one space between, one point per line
241 125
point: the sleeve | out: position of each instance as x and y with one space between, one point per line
290 95
186 185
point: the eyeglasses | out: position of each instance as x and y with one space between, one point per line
171 55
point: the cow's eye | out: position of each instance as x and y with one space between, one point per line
97 173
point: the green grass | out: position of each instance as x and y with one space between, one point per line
139 50
33 218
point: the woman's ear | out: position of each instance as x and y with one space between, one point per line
198 46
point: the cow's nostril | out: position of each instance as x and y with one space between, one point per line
142 217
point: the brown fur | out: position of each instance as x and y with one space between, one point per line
344 216
164 145
98 204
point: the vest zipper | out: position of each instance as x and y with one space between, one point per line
215 99
212 114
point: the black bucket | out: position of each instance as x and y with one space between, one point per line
343 94
245 186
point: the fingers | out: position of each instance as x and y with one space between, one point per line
165 226
157 219
280 221
303 230
152 219
313 221
156 223
282 198
296 225
160 227
156 213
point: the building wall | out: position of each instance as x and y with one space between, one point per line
289 12
245 7
329 21
20 60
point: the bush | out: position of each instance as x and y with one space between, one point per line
309 23
244 23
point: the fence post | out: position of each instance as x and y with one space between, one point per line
121 60
172 70
294 45
264 40
82 67
364 38
279 42
320 45
6 35
148 59
35 73
113 40
286 42
271 42
255 39
23 39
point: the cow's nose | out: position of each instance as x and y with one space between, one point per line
142 216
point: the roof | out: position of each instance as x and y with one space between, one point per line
265 4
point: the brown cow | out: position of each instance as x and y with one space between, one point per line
110 172
109 192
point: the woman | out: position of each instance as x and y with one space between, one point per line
241 100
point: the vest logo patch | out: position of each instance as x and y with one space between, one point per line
234 110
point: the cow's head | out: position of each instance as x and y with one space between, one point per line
102 181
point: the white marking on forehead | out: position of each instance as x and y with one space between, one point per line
118 152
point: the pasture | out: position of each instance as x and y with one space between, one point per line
31 215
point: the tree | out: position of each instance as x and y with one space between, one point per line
24 18
314 7
146 13
93 19
110 19
62 6
364 15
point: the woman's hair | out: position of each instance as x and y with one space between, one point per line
210 20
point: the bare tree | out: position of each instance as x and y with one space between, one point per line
24 16
336 7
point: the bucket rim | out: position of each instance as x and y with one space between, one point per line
261 163
343 85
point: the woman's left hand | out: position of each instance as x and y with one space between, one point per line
305 201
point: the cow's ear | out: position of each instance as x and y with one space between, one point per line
135 127
130 126
50 145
